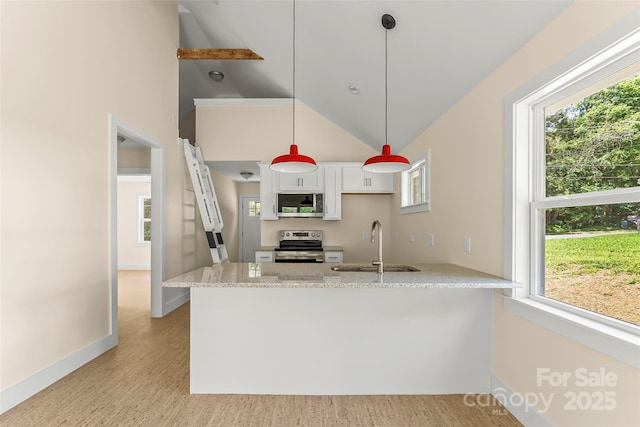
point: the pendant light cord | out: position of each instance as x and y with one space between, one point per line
386 89
293 104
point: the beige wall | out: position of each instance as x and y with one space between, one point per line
134 158
131 254
65 67
467 172
522 347
262 132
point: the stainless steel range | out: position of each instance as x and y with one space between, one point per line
299 246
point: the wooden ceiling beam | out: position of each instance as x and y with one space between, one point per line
218 54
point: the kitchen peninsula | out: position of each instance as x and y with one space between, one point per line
281 328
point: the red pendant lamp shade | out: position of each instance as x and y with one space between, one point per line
386 162
293 162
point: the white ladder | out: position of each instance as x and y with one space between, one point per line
207 201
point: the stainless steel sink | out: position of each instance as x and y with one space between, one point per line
388 268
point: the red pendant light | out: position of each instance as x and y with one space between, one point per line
293 162
386 162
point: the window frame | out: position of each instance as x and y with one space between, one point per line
525 188
406 186
141 219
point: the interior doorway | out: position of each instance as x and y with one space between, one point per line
134 230
154 167
249 227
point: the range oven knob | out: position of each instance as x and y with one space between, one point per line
288 234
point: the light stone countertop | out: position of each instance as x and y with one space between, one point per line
320 275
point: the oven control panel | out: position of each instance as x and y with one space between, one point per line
300 235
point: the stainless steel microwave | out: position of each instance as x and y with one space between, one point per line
309 205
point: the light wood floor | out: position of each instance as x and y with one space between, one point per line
144 381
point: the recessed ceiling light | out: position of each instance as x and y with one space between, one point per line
216 76
354 90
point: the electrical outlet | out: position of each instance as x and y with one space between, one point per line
467 244
431 240
365 235
411 238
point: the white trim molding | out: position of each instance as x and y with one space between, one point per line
23 390
518 406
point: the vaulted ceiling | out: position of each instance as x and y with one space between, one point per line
438 51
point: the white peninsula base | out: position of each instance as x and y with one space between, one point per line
338 341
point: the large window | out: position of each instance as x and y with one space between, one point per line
574 199
592 247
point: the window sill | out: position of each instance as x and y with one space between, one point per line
420 207
616 343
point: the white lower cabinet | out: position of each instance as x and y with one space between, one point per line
264 256
333 256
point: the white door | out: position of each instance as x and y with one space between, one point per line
249 227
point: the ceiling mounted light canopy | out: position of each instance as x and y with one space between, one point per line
386 162
246 174
293 162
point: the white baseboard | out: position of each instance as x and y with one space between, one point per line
20 392
134 267
176 302
527 415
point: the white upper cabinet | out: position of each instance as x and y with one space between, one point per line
310 182
355 180
268 193
332 193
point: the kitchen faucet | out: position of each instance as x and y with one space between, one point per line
373 240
